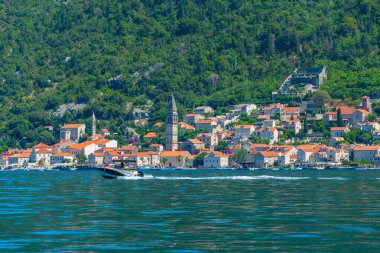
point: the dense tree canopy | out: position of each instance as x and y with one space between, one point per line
106 53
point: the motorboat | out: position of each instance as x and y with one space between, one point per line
112 173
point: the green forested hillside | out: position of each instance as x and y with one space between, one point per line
106 53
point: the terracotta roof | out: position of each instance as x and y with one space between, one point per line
98 154
150 135
105 130
204 121
158 124
308 148
218 154
41 145
61 142
25 155
62 154
174 153
43 150
128 147
338 129
269 153
140 154
195 141
346 110
80 145
268 108
291 109
291 122
243 126
365 148
330 113
72 126
113 153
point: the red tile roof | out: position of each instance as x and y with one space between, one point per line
269 153
291 109
62 154
43 150
66 126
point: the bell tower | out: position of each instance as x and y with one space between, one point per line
93 130
172 125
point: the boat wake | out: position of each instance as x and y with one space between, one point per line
263 177
332 178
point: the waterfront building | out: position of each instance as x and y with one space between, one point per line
265 159
96 158
172 126
365 153
338 155
216 160
85 148
174 158
149 158
128 149
60 158
21 159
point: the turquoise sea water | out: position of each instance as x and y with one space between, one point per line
191 211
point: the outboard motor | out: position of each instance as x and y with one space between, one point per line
140 174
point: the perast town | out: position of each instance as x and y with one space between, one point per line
315 134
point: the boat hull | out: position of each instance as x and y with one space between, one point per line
112 173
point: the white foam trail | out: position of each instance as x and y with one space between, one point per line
263 177
332 178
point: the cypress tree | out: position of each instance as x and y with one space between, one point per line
339 119
305 125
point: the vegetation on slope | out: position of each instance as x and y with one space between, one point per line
106 53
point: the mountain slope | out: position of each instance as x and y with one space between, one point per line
109 52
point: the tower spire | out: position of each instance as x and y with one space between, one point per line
172 106
93 132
